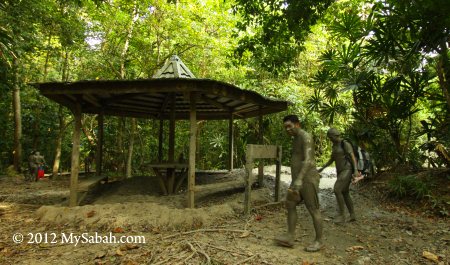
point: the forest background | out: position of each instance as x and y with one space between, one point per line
378 70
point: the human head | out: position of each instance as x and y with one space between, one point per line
334 134
290 122
37 153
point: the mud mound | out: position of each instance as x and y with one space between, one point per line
134 216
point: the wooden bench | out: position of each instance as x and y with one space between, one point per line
87 184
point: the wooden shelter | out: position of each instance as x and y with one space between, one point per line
172 94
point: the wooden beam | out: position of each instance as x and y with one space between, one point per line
278 174
192 146
118 98
171 158
75 165
216 103
164 85
172 129
164 105
91 99
160 140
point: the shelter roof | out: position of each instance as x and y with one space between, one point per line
152 98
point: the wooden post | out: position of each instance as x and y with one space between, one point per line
75 166
171 172
99 155
160 140
230 142
260 152
192 142
261 141
172 130
248 177
277 174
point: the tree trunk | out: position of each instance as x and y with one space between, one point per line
123 56
58 145
62 125
130 147
120 157
17 119
443 70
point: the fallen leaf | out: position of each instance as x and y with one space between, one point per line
131 246
246 233
258 217
128 247
355 248
118 230
90 214
100 255
119 252
430 256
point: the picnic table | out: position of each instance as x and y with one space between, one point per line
168 173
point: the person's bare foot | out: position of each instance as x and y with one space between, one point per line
339 219
285 240
315 246
352 218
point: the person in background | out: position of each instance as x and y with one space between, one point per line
39 162
346 170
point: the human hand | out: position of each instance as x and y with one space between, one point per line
357 178
293 195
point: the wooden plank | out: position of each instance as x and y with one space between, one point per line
248 184
192 149
262 151
75 165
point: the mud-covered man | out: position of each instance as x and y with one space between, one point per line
346 169
304 185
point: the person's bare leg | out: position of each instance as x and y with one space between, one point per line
287 239
312 204
349 204
340 202
317 222
341 187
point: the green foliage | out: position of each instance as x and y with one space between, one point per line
409 186
273 32
377 56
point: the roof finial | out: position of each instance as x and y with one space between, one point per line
174 68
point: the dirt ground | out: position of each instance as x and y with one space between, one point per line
215 232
